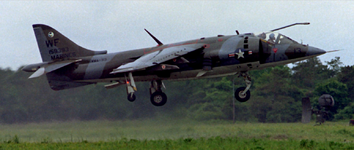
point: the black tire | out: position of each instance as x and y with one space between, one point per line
131 98
158 98
240 97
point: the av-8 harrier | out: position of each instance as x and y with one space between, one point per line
68 65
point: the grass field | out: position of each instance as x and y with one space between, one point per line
176 134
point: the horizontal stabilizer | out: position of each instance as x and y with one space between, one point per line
38 73
52 67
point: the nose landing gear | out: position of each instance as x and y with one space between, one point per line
243 94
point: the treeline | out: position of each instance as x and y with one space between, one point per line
276 96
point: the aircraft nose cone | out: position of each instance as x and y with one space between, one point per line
313 51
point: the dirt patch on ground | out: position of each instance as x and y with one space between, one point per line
280 137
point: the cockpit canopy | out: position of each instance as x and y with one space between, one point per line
275 38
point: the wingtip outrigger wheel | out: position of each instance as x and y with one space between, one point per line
243 94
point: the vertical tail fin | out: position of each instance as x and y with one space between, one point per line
55 46
58 54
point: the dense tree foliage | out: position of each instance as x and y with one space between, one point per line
276 96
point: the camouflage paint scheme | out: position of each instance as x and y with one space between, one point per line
68 65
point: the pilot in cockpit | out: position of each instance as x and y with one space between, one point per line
262 36
271 38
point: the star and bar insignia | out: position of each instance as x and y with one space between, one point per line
240 54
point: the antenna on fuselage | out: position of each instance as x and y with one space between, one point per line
157 41
304 23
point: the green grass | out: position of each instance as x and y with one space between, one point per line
186 143
176 134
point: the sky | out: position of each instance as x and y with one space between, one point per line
119 25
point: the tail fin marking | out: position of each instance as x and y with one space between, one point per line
55 46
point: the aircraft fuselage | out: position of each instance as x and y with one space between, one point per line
221 51
68 65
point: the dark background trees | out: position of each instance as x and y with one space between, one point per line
276 96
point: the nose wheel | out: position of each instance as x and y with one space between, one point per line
243 94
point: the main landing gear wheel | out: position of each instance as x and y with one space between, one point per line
131 97
158 98
242 97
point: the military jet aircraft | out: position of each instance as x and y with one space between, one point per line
68 65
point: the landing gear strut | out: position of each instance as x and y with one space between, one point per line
131 88
243 94
157 97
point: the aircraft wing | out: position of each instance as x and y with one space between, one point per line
156 57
